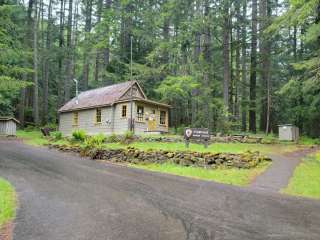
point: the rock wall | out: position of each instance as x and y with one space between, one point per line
195 159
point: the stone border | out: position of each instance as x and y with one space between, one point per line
245 160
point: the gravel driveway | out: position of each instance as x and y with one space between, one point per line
66 197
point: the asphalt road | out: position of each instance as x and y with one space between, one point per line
66 197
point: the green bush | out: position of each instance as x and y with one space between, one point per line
304 140
79 135
50 126
180 130
128 137
95 141
113 138
56 135
30 128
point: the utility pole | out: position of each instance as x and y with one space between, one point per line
131 90
77 91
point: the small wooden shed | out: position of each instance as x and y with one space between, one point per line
8 126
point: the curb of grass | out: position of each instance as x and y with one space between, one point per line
7 209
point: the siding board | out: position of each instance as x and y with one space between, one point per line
112 120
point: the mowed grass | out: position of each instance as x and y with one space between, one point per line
34 138
7 202
306 178
214 148
238 177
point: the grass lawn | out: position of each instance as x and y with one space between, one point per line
306 178
34 138
215 148
7 202
239 177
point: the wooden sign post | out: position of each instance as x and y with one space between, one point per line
200 134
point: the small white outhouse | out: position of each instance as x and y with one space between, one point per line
8 126
288 132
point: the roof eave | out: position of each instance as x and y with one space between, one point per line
84 108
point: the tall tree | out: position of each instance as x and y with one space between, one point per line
46 65
35 65
69 58
265 12
87 29
253 70
244 67
226 54
60 79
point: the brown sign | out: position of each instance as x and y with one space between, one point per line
197 134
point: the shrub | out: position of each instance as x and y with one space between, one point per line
50 126
30 128
113 138
95 141
128 137
79 135
56 135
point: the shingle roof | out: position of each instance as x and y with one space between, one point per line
8 119
97 97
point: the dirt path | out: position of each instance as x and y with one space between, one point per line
277 176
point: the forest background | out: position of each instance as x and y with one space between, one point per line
229 65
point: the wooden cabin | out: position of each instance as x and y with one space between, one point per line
8 126
107 110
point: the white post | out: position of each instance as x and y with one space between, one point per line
77 91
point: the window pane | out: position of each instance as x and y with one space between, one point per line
75 118
140 113
163 117
98 116
124 111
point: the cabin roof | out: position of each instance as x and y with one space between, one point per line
100 97
3 119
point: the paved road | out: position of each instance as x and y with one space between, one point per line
66 197
277 176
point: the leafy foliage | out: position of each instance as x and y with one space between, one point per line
79 135
56 135
95 141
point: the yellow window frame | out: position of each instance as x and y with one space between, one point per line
163 118
75 118
124 111
98 117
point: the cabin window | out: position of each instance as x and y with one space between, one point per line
75 119
140 113
163 117
124 111
98 115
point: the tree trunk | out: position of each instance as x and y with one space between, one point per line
253 70
35 67
237 75
244 68
60 81
98 52
226 56
28 42
106 50
87 29
46 66
265 66
197 36
69 62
